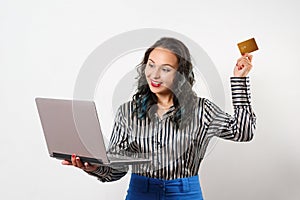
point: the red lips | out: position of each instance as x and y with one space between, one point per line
155 84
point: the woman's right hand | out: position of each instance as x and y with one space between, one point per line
76 162
243 65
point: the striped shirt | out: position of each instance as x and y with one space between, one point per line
177 153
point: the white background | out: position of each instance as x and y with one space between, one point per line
43 45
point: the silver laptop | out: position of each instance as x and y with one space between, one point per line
72 127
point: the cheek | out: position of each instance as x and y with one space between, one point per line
147 72
169 78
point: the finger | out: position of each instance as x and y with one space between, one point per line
86 165
239 59
66 162
248 56
243 62
245 56
79 163
89 167
73 160
238 68
246 65
240 71
243 67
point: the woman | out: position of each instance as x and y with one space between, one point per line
167 122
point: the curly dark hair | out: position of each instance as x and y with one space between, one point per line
184 97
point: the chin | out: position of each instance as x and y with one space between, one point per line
160 91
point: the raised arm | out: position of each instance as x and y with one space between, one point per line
239 127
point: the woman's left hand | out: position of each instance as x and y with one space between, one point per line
243 66
76 162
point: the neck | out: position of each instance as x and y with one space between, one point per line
165 100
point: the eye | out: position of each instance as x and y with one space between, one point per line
165 69
151 65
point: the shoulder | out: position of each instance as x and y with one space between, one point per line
201 102
205 104
126 108
199 105
123 112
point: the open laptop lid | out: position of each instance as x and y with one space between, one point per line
72 126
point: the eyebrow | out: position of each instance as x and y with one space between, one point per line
162 64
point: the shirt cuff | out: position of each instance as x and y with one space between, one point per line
101 172
240 89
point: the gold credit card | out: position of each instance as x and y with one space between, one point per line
247 46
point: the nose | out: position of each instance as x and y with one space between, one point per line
156 73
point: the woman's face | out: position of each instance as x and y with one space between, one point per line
161 70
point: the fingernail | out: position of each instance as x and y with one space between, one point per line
77 158
73 155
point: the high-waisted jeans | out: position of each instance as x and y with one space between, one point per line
144 188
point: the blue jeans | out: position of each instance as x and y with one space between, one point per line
144 188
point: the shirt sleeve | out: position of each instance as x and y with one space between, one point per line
118 144
239 127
